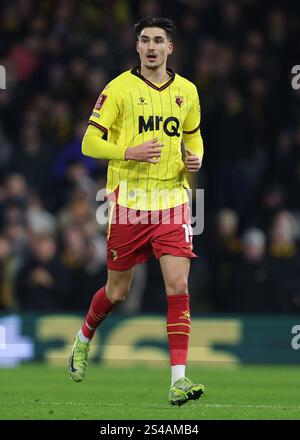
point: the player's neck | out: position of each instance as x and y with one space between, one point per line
158 75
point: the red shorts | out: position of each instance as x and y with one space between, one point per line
133 235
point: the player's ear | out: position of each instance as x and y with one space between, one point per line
137 46
170 48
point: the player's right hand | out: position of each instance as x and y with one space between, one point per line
149 151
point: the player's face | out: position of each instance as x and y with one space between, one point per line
153 47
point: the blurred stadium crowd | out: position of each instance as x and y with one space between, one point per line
58 56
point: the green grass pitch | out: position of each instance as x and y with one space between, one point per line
37 391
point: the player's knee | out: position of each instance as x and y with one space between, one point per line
117 298
117 294
178 285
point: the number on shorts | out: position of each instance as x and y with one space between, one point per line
188 233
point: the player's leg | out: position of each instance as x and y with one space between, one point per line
105 299
175 271
103 302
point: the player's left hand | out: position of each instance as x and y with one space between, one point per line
192 162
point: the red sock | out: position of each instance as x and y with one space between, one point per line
178 328
99 309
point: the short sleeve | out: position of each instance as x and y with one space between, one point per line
106 109
192 120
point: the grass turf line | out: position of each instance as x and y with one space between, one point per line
32 392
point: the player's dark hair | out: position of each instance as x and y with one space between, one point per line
163 23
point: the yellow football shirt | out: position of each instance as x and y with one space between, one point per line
132 110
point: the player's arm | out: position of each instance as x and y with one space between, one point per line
94 145
192 138
194 151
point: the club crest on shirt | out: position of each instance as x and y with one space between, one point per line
100 101
179 100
